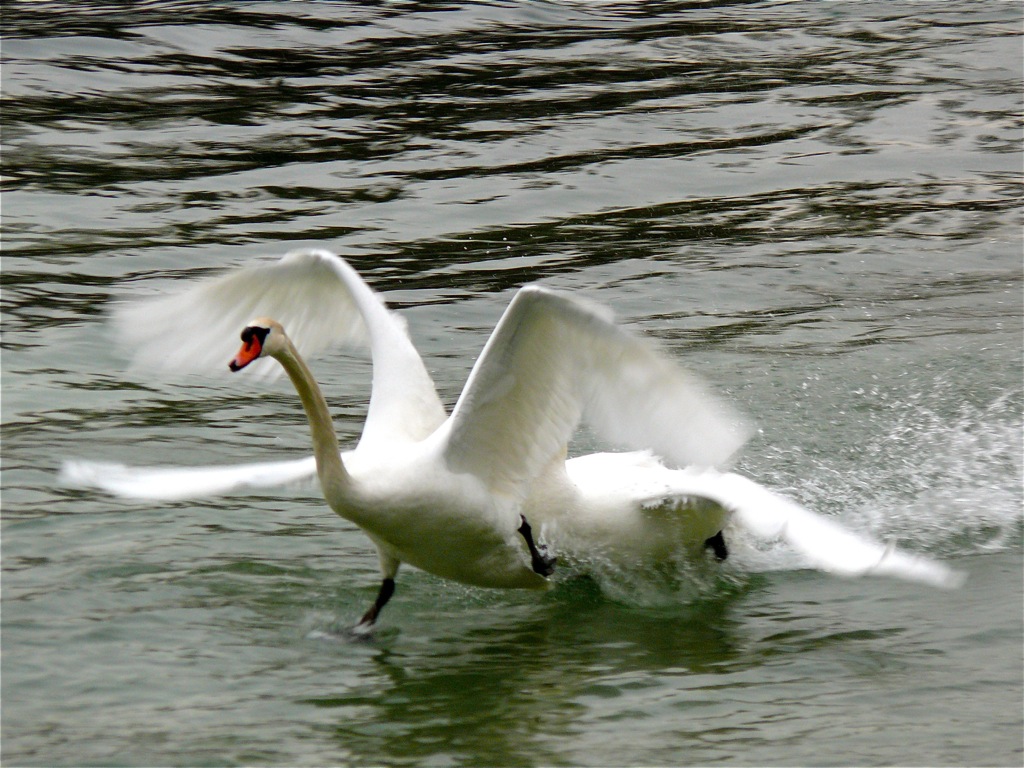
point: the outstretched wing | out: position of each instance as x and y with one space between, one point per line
554 360
301 291
824 543
176 483
321 302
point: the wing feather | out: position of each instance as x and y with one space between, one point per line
177 483
554 360
203 320
823 542
321 301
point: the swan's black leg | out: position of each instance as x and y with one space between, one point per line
387 589
542 562
717 545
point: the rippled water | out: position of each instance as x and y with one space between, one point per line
815 206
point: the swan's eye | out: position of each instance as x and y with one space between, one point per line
255 332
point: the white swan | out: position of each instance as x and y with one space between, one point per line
452 496
413 499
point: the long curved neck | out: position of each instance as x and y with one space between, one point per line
334 478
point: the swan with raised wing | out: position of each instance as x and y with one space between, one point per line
464 496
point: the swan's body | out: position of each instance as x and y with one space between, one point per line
406 497
449 495
630 508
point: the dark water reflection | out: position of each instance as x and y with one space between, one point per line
343 109
818 206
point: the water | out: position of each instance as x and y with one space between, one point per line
815 206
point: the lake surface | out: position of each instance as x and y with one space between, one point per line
814 206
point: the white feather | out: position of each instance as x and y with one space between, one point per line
196 329
628 507
823 542
554 360
322 301
176 483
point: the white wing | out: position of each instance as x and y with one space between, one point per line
176 483
553 360
205 318
823 542
321 301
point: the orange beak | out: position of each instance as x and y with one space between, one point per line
251 348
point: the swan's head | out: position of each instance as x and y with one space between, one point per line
262 337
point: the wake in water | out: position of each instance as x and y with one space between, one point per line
679 580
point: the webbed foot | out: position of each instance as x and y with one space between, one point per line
541 562
365 625
717 545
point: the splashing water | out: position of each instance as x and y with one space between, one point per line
948 485
937 480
